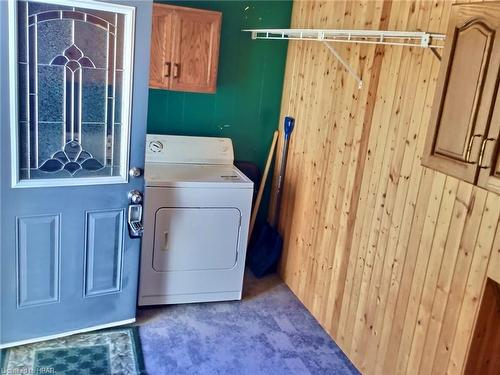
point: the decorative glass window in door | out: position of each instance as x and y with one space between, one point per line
73 91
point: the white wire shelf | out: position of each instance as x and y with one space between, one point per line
393 38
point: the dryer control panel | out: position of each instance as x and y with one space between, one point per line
191 150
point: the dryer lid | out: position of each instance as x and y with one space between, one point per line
188 150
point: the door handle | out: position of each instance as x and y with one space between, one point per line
469 148
481 155
168 65
177 70
134 220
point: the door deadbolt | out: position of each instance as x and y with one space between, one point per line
135 197
135 172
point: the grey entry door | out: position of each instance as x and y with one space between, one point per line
73 122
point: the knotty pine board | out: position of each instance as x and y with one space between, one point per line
389 256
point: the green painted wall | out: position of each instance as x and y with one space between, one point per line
246 106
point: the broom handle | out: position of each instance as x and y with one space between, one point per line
288 128
279 188
263 183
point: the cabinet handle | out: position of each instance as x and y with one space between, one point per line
177 70
483 148
168 64
469 148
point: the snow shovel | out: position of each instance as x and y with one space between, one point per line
266 250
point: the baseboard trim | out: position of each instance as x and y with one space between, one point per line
68 333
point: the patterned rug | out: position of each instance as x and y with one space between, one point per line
107 352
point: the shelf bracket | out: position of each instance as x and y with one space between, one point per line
436 53
345 64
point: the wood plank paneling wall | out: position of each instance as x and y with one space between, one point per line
390 257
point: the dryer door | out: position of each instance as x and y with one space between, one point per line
192 239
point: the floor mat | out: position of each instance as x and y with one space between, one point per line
107 352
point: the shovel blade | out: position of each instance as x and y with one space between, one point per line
266 252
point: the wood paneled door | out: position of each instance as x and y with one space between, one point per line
184 48
458 137
161 49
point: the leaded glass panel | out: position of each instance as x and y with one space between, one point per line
70 91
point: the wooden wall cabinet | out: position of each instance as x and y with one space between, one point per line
462 139
184 49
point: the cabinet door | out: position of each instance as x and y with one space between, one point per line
465 91
489 164
196 50
161 48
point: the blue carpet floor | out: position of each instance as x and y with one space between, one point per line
268 332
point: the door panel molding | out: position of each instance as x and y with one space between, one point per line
38 253
452 148
104 264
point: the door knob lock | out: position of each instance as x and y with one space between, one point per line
135 197
135 172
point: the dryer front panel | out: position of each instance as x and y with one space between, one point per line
191 239
194 244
